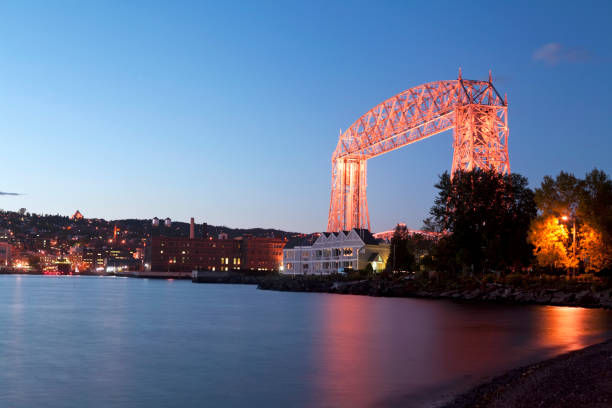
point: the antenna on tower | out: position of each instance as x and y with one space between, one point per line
459 73
490 78
505 98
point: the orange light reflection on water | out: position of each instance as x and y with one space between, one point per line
565 328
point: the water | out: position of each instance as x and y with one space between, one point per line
100 342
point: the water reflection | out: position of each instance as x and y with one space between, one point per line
346 367
96 342
567 328
398 352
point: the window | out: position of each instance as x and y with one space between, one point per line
348 251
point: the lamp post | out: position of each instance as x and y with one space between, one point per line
565 218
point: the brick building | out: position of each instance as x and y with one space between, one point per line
182 254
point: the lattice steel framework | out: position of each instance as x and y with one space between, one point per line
475 111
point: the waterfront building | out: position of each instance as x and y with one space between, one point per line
181 254
185 254
334 252
262 254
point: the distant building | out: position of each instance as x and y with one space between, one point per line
261 253
5 253
77 216
337 252
387 235
184 254
181 254
62 265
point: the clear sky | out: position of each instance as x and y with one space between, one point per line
229 111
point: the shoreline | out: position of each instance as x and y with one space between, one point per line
575 294
579 378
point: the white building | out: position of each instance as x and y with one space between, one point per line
336 252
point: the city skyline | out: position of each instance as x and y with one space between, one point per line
231 114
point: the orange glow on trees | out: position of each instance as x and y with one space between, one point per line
473 109
549 238
593 249
589 205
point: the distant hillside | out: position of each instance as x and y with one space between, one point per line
57 225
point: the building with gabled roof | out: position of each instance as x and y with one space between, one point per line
77 216
335 252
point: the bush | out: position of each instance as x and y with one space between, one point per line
515 279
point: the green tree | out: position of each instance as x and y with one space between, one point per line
596 203
401 258
559 196
486 216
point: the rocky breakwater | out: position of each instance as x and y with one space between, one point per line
584 295
587 297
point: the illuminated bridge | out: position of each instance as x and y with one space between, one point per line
474 110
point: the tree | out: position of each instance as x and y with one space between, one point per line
487 217
549 238
596 203
401 258
559 196
586 205
594 251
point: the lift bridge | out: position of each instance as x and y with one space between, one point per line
474 110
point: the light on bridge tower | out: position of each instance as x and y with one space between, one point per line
473 109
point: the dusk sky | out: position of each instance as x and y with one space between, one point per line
229 111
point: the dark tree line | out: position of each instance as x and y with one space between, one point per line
485 217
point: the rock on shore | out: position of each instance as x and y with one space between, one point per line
581 295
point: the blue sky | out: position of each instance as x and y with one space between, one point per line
230 111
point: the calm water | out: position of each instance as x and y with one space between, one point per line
100 342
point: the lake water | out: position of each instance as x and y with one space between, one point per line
101 342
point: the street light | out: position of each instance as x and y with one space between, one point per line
565 218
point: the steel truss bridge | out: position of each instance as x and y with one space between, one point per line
474 110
